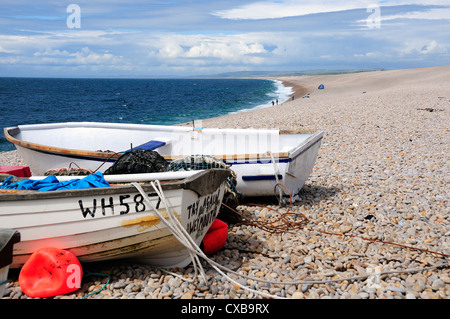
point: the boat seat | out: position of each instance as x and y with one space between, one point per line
150 145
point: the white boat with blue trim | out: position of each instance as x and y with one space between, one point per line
260 158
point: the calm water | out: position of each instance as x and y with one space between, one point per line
139 101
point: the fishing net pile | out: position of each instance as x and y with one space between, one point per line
147 161
133 162
201 162
68 171
138 161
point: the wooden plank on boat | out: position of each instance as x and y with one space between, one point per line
299 131
111 155
62 151
14 191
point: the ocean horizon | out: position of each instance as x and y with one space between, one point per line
137 101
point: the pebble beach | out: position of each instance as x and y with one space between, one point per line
376 207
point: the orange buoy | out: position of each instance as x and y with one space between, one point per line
50 272
215 238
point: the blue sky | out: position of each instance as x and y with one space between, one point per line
177 38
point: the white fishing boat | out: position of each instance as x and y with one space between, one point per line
260 158
120 221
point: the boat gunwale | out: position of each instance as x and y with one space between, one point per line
201 183
106 156
309 142
56 150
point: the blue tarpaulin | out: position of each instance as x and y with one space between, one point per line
51 183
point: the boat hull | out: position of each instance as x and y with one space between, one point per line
260 158
114 222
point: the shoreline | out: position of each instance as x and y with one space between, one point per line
381 174
350 85
298 90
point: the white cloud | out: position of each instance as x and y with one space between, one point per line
43 41
442 13
291 8
422 47
168 38
225 48
429 48
372 54
51 52
84 57
288 8
3 50
87 57
431 14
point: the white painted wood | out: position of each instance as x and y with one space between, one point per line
119 224
50 146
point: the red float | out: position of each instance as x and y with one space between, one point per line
216 237
50 272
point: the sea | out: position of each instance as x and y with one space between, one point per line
137 101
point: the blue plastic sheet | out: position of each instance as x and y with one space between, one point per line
51 183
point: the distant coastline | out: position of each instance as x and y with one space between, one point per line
276 74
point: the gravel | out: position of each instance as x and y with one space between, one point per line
379 190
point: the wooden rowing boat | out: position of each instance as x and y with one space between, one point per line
260 158
117 222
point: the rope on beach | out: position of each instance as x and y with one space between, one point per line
282 224
99 290
383 242
277 226
174 225
185 239
280 190
203 162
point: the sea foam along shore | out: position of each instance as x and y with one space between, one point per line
376 203
282 93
